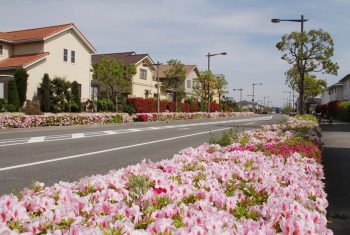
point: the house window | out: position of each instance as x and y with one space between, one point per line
143 74
1 48
189 84
147 93
65 55
72 57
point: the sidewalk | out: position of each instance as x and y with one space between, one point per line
336 162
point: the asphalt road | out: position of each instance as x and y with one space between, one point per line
54 154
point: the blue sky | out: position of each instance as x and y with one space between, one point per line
189 29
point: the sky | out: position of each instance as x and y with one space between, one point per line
188 29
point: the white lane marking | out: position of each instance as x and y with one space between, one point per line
36 139
182 129
9 142
250 123
78 135
110 132
107 150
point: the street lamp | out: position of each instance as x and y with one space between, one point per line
210 55
301 94
240 93
290 97
157 65
253 96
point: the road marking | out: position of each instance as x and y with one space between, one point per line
31 140
107 150
36 139
78 135
183 129
250 123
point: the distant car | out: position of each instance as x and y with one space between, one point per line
264 112
273 112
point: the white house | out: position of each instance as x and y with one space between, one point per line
60 50
339 91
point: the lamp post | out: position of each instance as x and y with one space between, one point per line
240 93
157 65
208 81
302 80
290 97
253 96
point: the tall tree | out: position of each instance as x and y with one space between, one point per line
313 86
314 56
200 85
174 80
115 75
45 93
13 95
21 78
220 85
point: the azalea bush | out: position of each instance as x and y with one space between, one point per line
24 121
211 189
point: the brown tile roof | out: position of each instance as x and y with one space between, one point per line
21 60
38 34
127 57
165 67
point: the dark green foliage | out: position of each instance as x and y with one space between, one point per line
32 107
75 101
21 78
105 105
124 107
3 105
45 93
13 96
60 95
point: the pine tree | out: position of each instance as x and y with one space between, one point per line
76 104
13 95
44 93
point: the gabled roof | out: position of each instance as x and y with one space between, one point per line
127 57
22 61
41 34
188 69
345 78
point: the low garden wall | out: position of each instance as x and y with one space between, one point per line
24 121
265 181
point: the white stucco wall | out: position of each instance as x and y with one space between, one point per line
325 97
78 71
190 77
6 51
346 90
28 48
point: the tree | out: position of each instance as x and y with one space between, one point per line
21 78
313 86
200 87
60 97
75 101
310 52
220 85
174 80
13 95
115 75
45 93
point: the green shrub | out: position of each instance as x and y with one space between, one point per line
227 138
3 105
32 108
12 108
125 107
21 78
75 103
116 119
45 93
13 96
105 105
344 111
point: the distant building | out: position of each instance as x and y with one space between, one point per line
60 50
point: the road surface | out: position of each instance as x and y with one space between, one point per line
53 154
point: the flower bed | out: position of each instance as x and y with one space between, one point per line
210 189
24 121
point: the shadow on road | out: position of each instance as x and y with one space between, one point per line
336 162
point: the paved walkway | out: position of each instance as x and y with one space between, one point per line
336 161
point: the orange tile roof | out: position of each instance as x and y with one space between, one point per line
38 34
34 34
21 60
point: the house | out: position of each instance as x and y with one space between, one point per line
339 91
143 82
192 73
60 50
